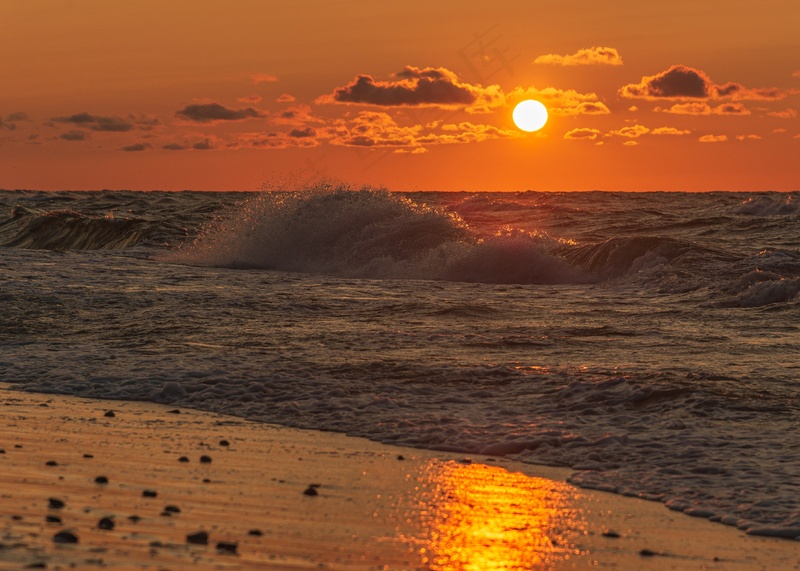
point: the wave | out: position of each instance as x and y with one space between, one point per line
373 233
770 206
70 230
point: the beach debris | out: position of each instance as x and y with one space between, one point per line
197 538
65 536
149 494
311 490
255 532
205 459
101 480
106 523
228 547
55 503
109 414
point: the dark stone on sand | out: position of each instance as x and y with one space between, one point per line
255 532
206 481
16 518
55 504
172 509
149 494
174 411
88 456
110 414
197 538
65 537
648 553
38 565
227 547
135 518
52 519
183 459
2 450
311 490
17 445
205 459
101 480
224 443
401 457
106 523
610 533
51 463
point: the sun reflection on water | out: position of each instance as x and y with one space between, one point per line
485 518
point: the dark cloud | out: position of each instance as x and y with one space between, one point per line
73 135
678 82
416 87
97 123
682 82
203 146
174 147
209 112
136 147
300 133
18 116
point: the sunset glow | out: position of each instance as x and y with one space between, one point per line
530 115
201 95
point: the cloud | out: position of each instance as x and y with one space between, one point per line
584 134
213 112
11 120
97 123
250 99
630 143
73 135
633 132
713 138
138 147
591 56
785 114
562 102
431 87
296 115
700 108
682 82
750 137
204 145
263 78
379 130
301 133
669 131
175 147
286 98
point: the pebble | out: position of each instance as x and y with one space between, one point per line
224 443
101 480
401 457
205 459
311 490
610 533
174 411
65 537
106 523
198 538
109 414
172 509
52 519
55 503
183 459
227 547
255 532
51 463
149 494
88 456
135 518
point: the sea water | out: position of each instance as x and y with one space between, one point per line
649 341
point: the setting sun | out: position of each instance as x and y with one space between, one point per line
530 115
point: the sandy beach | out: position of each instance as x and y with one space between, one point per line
128 485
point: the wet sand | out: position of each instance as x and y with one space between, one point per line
108 484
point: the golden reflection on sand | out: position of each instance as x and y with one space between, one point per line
478 517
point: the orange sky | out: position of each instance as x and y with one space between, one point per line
412 95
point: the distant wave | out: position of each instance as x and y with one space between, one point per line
69 230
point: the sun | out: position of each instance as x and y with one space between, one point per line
530 115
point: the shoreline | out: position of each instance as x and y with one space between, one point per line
141 482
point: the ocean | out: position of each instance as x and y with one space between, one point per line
649 341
